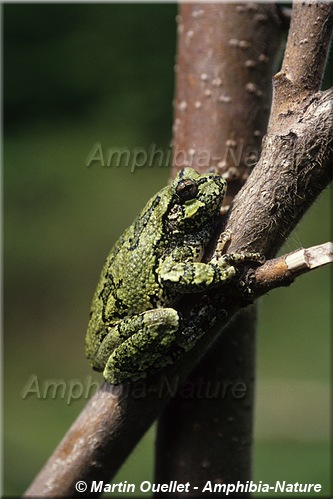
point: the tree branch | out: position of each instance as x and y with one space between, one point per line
295 166
283 270
226 55
304 62
229 63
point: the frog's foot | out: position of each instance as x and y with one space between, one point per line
207 312
244 287
224 238
154 333
234 258
241 258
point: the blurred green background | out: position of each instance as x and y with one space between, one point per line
74 76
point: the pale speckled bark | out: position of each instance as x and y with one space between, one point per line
225 60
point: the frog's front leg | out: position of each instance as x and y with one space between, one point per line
192 277
133 345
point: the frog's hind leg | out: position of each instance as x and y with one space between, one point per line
146 338
205 314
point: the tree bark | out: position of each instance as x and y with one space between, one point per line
226 55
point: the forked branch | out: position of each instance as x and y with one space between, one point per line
294 168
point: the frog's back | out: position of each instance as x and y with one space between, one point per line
128 284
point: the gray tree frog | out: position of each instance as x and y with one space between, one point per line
134 327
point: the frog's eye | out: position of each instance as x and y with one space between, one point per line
187 189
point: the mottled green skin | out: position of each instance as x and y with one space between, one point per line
133 329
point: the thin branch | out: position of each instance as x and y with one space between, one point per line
303 260
283 270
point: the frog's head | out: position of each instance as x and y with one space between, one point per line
195 199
